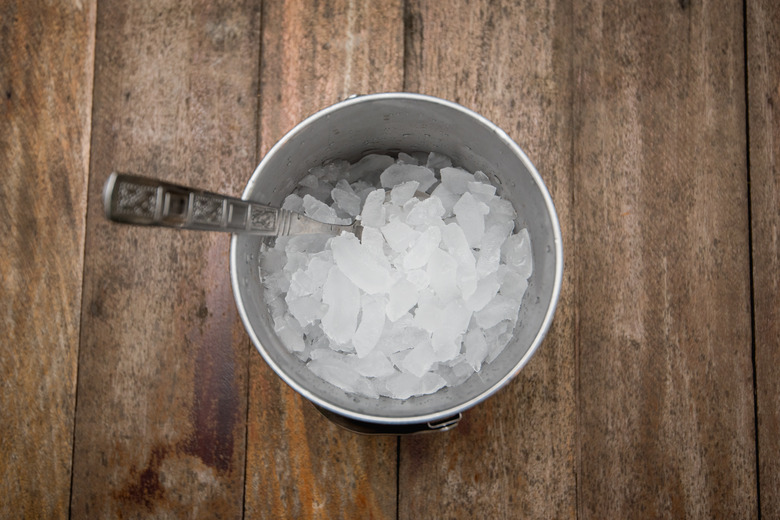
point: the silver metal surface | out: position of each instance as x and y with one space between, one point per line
132 199
395 122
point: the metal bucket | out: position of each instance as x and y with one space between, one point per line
395 122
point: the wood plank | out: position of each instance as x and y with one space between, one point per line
46 70
514 454
161 415
763 68
299 465
663 296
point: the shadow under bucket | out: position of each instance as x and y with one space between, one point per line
393 122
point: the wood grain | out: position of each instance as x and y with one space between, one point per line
512 456
763 70
663 299
46 63
298 464
160 426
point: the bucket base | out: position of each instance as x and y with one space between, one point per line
368 428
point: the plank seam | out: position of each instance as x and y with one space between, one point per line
749 190
91 98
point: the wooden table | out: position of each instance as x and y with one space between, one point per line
129 389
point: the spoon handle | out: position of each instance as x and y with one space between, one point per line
133 199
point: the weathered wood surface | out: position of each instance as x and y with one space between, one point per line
299 465
641 401
666 423
513 456
46 53
160 422
763 73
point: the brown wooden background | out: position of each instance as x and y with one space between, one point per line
128 388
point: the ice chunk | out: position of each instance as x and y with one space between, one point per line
331 172
317 210
419 278
447 198
426 213
373 213
446 340
404 386
419 360
290 332
476 348
456 179
306 309
490 248
457 245
341 375
345 198
369 166
403 296
500 211
401 193
482 192
436 161
429 315
398 173
442 270
513 285
423 248
343 300
374 364
500 308
399 235
359 265
372 322
405 158
486 290
516 253
293 203
470 214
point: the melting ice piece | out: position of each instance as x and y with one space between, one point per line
398 173
470 214
481 191
373 213
306 310
343 300
372 322
359 265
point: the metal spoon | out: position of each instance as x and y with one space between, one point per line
133 199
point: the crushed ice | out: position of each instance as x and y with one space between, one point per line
431 292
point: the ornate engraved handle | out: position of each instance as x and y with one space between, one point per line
132 199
